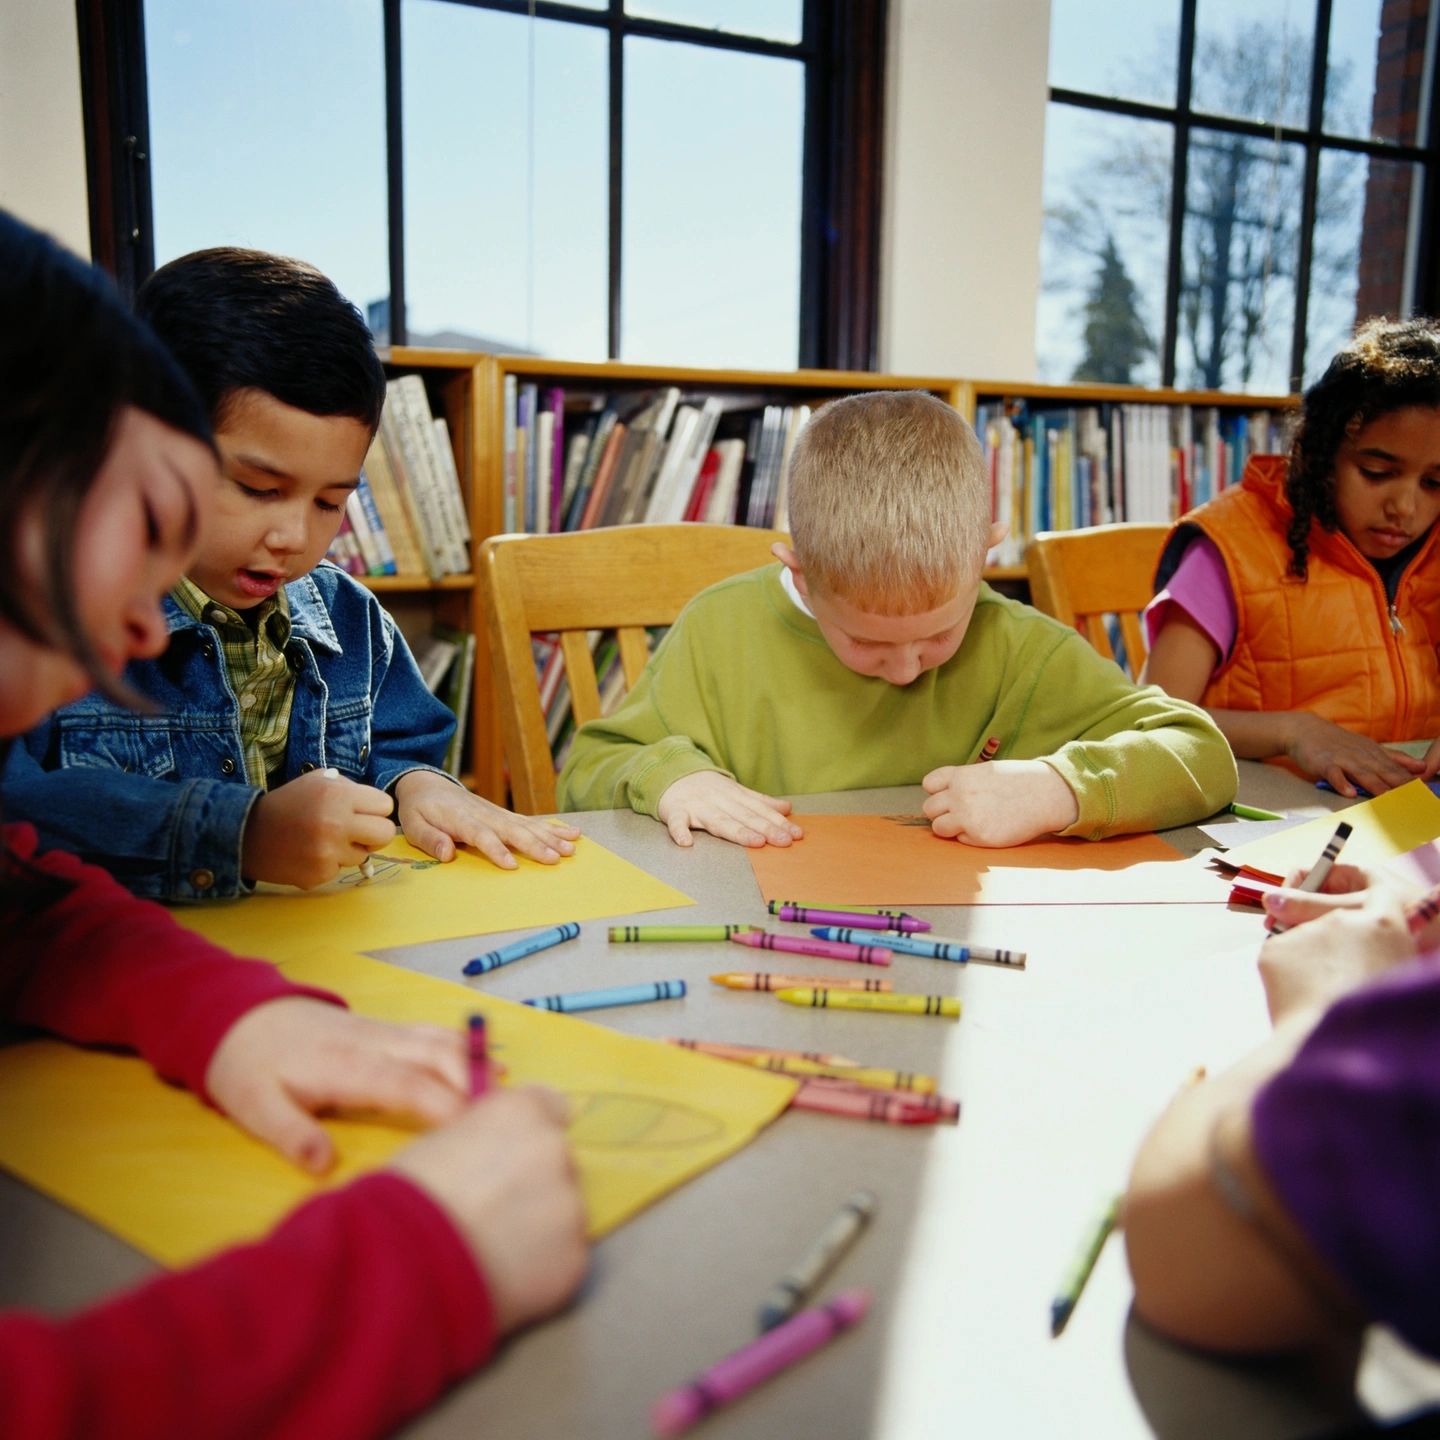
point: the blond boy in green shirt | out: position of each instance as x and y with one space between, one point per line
874 654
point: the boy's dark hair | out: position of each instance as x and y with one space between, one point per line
71 358
247 320
1389 365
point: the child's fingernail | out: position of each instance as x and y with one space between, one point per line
1273 902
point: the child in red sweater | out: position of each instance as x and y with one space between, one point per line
392 1286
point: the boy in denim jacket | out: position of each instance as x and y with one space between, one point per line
287 719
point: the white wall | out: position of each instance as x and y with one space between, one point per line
42 131
965 118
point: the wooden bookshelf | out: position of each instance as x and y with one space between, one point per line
469 390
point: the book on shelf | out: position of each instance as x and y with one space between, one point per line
458 684
1054 465
390 510
435 654
344 550
425 478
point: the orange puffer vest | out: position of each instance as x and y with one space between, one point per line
1330 644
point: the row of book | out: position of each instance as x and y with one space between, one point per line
579 459
1065 467
408 516
446 657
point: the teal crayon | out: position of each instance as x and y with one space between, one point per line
632 934
578 1000
932 947
519 949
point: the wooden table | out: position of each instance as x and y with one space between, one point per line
1059 1070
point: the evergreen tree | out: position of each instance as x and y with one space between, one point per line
1115 336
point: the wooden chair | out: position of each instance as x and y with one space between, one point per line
623 578
1082 576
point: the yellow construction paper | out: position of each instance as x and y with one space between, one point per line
101 1134
1387 826
412 900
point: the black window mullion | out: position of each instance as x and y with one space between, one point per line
1309 192
395 172
617 174
1179 179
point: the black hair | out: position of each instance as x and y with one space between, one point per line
1390 365
247 320
71 359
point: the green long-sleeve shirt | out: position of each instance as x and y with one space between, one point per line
744 683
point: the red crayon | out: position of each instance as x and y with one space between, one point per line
988 751
860 1104
804 945
1247 895
1423 911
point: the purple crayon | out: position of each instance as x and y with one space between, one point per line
804 945
748 1366
878 920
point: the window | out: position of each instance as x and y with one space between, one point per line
1230 185
664 181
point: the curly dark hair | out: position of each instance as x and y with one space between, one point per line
1389 365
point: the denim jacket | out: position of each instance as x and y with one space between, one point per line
161 799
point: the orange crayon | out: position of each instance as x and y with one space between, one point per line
764 980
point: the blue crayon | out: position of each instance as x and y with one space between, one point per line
927 945
519 949
615 995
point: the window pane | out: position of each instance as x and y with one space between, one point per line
1237 282
267 129
1115 47
506 181
1365 226
1252 59
711 260
1376 69
769 19
1107 204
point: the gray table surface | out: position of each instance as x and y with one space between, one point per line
1059 1070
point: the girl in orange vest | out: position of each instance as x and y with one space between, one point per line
1302 608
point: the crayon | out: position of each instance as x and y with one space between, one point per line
764 980
1253 812
478 1048
856 919
1091 1245
853 949
988 751
932 947
775 906
519 949
629 934
1423 911
748 1366
858 1104
1246 895
367 868
947 1007
793 1288
871 1077
939 1106
603 999
1315 877
722 1050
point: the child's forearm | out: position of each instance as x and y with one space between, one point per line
1258 734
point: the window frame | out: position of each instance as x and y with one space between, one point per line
1313 138
842 49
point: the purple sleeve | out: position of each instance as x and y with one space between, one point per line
1200 587
1349 1135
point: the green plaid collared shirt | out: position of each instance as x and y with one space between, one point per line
258 671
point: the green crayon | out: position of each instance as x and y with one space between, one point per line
626 934
1253 812
1083 1263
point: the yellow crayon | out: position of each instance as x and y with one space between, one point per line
946 1006
764 980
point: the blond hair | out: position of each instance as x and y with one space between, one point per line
889 507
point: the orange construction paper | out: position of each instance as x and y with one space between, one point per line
893 860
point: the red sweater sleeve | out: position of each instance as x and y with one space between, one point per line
100 967
348 1318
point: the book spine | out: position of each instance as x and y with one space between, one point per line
384 552
404 466
508 404
359 528
432 473
454 490
460 700
529 395
381 484
557 457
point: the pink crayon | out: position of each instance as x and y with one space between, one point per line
479 1058
856 1103
804 945
923 1107
876 920
748 1366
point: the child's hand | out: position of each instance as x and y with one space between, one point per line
308 830
1005 802
436 815
713 802
1431 761
1315 964
1343 759
504 1174
288 1060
